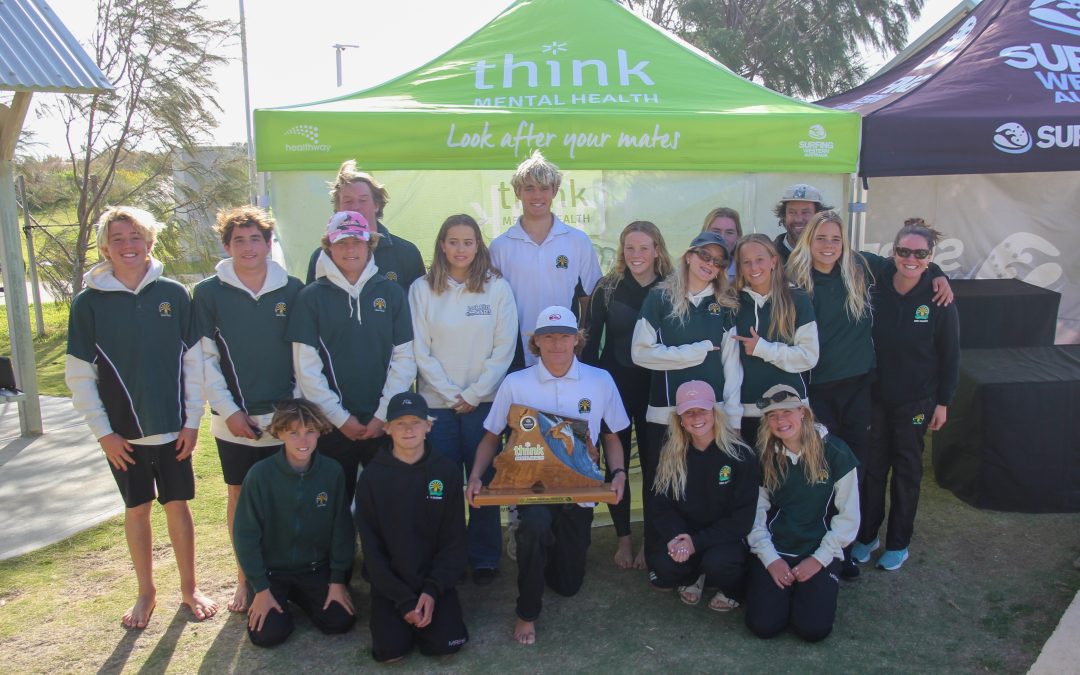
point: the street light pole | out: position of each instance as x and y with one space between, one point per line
338 48
252 189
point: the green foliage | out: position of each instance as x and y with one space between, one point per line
808 49
49 349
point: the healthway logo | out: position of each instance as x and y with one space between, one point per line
1012 138
1056 14
310 133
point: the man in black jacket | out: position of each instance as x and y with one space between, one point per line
793 212
410 514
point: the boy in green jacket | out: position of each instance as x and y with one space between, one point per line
292 534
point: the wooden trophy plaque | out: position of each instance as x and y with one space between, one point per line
549 459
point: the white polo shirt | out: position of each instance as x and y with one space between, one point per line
584 392
546 274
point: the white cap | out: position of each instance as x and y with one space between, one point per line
555 319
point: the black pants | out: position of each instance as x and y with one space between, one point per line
634 393
809 607
351 455
392 637
552 541
896 442
749 430
649 458
724 567
845 408
308 591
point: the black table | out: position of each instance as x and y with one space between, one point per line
1005 313
1011 442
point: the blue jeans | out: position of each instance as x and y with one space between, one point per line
455 437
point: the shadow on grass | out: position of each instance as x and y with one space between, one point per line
224 652
158 661
120 654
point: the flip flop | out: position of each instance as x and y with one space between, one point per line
691 595
722 603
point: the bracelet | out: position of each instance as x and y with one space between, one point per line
616 472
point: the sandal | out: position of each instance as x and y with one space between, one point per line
691 594
722 603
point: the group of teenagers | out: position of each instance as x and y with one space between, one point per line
775 389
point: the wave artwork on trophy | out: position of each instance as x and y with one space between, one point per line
548 459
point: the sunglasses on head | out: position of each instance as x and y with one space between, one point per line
778 397
718 261
920 253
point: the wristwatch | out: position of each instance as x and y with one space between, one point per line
616 472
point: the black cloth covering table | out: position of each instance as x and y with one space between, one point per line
1011 442
1005 313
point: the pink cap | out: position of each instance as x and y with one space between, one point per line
345 224
694 394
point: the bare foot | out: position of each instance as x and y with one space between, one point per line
639 559
139 614
239 603
525 632
624 554
201 606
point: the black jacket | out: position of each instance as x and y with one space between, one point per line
719 503
917 345
411 520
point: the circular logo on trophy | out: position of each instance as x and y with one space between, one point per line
528 423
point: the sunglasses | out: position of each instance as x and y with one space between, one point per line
778 397
919 253
718 261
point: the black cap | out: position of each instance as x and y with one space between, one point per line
406 403
706 238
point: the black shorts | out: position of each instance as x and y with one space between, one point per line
237 459
392 637
155 466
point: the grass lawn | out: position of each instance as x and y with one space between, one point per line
49 350
981 592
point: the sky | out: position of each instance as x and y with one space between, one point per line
291 58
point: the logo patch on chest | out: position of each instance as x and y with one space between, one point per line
714 308
478 310
321 500
562 262
922 314
584 405
165 309
391 276
435 489
379 304
725 474
279 309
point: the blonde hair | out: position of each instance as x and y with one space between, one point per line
348 174
579 344
298 411
800 266
480 270
671 469
143 221
538 170
662 264
243 216
782 316
723 212
676 288
774 464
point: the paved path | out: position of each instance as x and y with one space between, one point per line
1061 653
53 486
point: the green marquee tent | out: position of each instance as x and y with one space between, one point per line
588 82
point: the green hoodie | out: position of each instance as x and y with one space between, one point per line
293 522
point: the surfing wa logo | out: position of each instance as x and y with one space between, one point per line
817 146
309 133
1056 14
1012 138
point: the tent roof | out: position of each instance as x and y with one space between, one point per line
559 75
38 53
999 94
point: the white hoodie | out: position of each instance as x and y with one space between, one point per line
463 342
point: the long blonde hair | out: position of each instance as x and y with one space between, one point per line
671 470
676 288
800 266
774 464
480 270
662 264
782 317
